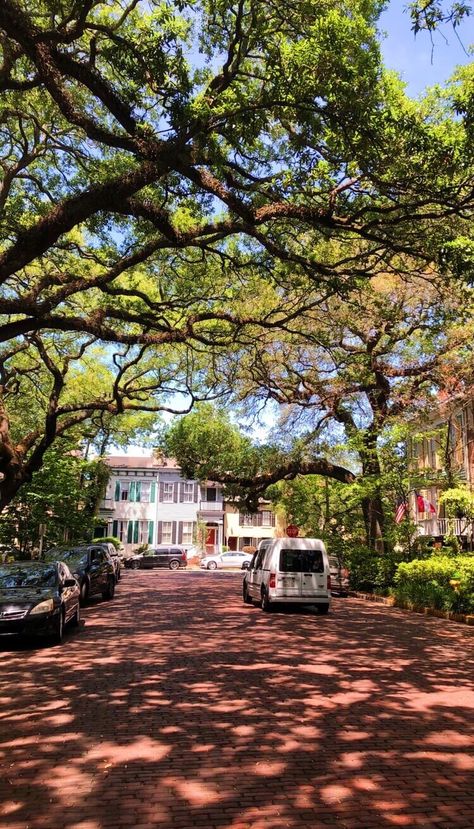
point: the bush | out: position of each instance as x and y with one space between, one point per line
111 538
428 583
362 565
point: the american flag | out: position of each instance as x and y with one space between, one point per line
402 510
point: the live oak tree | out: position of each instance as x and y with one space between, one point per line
352 368
164 161
53 388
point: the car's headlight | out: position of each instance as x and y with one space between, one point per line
43 607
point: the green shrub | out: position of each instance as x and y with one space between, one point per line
362 565
427 583
111 538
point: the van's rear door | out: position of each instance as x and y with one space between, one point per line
288 580
313 577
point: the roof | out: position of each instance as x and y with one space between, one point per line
127 462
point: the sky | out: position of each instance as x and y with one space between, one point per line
420 63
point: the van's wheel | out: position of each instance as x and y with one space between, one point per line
174 564
266 605
109 592
322 609
245 594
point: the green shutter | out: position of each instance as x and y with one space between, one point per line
115 529
150 532
135 532
153 493
117 490
131 491
129 532
138 491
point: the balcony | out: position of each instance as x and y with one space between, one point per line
447 526
107 505
211 506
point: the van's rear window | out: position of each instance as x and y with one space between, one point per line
301 561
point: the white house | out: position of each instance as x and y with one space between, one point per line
148 502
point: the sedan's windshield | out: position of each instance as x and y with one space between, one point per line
18 577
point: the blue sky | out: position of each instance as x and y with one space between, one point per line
413 58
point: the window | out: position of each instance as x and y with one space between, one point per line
267 518
137 532
301 561
187 532
167 530
211 493
188 494
124 490
168 493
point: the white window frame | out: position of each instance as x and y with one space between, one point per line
266 517
187 532
167 534
188 493
168 494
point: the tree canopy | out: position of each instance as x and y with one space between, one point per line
180 178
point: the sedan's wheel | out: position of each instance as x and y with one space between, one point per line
212 565
84 593
266 604
76 619
245 594
135 565
322 609
174 564
110 590
57 636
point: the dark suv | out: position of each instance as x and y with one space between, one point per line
170 556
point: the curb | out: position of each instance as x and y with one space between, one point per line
390 601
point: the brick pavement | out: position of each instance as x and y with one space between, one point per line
179 707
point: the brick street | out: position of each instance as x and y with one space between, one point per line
177 706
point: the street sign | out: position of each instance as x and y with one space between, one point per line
292 530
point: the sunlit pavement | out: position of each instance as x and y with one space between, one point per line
177 706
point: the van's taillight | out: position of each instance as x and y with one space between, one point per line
329 582
272 582
183 555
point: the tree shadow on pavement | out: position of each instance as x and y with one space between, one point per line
178 706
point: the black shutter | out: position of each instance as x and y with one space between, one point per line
159 534
181 492
175 495
180 532
173 533
196 493
161 489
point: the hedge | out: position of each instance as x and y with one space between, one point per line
440 582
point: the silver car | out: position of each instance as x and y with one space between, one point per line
234 559
339 576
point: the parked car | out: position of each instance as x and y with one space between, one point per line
132 562
231 559
38 598
114 555
91 565
289 571
171 556
339 576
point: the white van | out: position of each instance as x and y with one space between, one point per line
289 571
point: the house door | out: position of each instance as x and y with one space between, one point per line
232 542
211 539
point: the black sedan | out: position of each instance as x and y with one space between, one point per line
91 565
38 598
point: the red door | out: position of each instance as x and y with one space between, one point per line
210 539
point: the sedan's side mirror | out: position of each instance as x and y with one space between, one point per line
69 583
